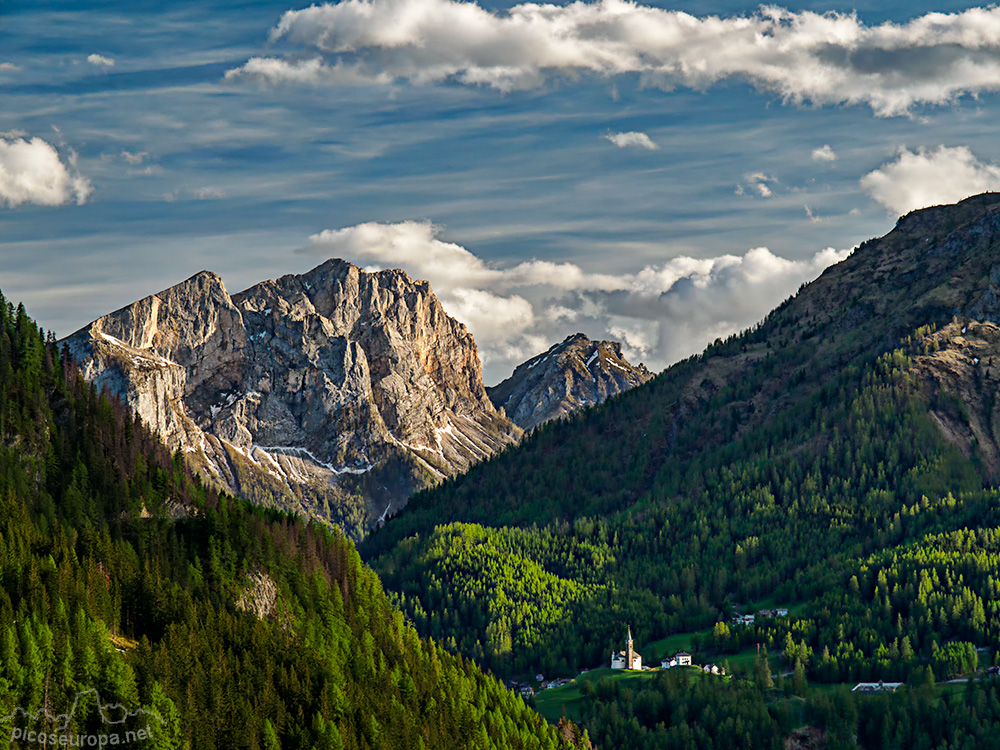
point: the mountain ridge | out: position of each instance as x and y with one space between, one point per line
342 389
569 375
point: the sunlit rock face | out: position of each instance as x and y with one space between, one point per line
336 392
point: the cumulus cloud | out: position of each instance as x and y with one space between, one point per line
921 178
273 71
824 153
828 58
31 171
632 138
101 61
661 313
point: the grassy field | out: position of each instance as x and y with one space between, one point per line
682 642
567 700
745 659
670 645
557 702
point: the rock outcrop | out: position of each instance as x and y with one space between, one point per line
336 392
575 373
259 594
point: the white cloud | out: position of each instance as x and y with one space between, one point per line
661 313
502 324
101 61
632 138
917 179
757 183
136 158
824 153
828 58
9 67
32 172
273 71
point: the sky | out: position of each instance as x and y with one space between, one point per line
660 174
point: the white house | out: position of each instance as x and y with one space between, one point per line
779 612
627 659
680 659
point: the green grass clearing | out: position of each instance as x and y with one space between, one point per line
555 703
671 645
568 700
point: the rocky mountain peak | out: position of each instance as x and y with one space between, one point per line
308 391
572 374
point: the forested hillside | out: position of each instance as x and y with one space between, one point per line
235 627
838 457
679 710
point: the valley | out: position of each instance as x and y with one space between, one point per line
807 505
448 375
829 456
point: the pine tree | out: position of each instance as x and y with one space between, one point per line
762 671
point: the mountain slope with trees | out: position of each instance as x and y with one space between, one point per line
839 455
235 626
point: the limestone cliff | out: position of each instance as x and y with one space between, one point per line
575 373
336 392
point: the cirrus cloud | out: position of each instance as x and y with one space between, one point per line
826 59
921 178
661 313
31 171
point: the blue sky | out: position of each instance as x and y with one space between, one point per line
590 194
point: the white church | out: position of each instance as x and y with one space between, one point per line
627 659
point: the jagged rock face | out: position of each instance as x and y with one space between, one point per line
327 385
575 373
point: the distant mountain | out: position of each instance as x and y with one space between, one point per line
575 373
335 393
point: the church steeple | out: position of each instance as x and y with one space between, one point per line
627 659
